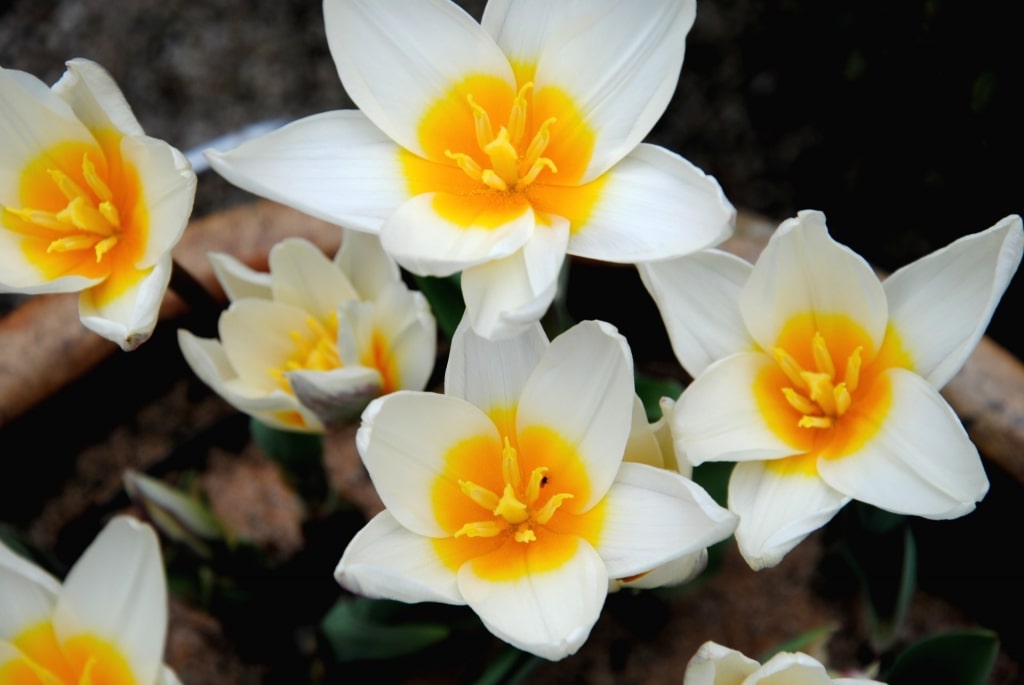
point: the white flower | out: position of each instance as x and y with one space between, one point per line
314 340
509 494
106 623
496 149
822 382
714 664
87 201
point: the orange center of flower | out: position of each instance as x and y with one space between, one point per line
315 349
80 660
81 214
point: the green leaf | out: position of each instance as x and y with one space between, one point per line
804 642
956 658
713 476
358 628
445 298
511 667
651 389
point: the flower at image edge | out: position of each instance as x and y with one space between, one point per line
105 624
88 203
495 149
714 664
509 492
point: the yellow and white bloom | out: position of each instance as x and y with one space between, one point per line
314 340
509 493
822 382
87 201
106 624
495 149
714 664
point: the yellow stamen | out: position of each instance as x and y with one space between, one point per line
843 398
479 494
789 366
537 477
510 508
799 402
814 422
73 242
550 507
481 529
822 359
70 189
96 184
852 377
510 465
484 131
821 391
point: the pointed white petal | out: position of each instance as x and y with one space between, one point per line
338 395
777 510
429 244
395 59
653 205
385 560
168 677
256 335
618 65
368 267
582 388
792 668
941 304
24 603
129 317
168 187
698 296
549 613
237 279
95 98
117 591
643 446
654 516
801 271
505 295
404 440
491 373
920 461
18 564
717 418
714 664
302 276
336 166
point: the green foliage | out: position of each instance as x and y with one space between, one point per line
357 628
445 298
651 389
963 657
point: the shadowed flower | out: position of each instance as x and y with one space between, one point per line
714 664
495 149
105 624
509 493
313 341
822 382
87 201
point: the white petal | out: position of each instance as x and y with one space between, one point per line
168 677
95 98
698 297
549 614
941 304
643 446
129 318
619 65
336 166
920 461
653 205
18 564
714 664
24 603
791 668
168 187
717 417
368 267
404 440
403 318
672 572
429 244
654 516
117 591
302 276
256 335
17 274
777 510
491 373
237 279
395 59
505 295
385 560
582 388
338 395
802 271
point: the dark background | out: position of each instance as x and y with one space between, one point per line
897 119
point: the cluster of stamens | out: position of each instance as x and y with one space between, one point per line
509 170
90 221
816 394
515 509
315 350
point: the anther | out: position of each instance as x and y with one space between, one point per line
822 359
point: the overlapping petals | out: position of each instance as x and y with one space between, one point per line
823 381
714 664
88 203
495 149
312 341
509 493
107 623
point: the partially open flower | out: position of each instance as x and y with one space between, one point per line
714 664
87 201
314 340
106 624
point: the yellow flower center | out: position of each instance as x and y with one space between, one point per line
315 349
815 393
81 660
